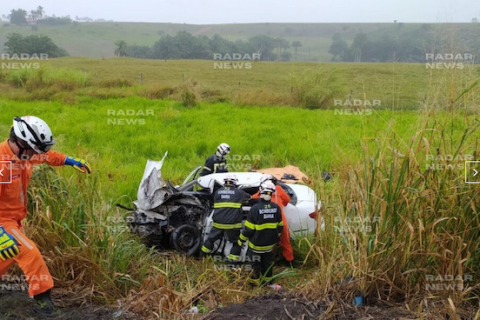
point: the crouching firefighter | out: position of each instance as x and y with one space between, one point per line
227 217
262 229
217 162
29 144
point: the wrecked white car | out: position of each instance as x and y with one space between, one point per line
180 216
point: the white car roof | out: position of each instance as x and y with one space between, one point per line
245 179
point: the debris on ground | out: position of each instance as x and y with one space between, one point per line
16 305
288 174
292 307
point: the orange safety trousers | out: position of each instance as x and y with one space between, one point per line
29 259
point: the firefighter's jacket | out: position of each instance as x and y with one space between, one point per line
263 226
227 204
214 164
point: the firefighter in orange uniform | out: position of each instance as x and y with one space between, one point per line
29 144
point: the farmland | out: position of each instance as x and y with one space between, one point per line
397 169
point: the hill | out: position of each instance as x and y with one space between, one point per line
96 39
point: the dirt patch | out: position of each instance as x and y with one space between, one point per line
289 307
16 305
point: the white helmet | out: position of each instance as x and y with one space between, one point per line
266 190
267 177
223 149
230 179
35 132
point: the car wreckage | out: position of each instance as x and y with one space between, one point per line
180 217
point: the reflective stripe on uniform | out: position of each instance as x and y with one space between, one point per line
227 205
21 239
227 226
263 226
249 225
261 248
242 237
233 257
206 250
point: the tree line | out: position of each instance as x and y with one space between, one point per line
403 46
23 17
184 45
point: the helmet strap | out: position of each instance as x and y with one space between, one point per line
21 149
266 197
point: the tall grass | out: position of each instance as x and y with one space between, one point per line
402 225
316 89
64 79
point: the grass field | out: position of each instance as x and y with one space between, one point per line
118 152
400 167
396 86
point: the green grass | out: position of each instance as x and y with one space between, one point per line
396 86
118 153
428 218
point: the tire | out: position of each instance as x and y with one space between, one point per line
186 239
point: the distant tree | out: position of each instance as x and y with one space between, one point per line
337 47
18 17
221 45
263 45
474 20
285 56
34 44
139 52
360 46
121 50
40 12
33 15
296 45
55 21
15 44
285 45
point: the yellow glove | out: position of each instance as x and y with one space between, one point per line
79 164
8 245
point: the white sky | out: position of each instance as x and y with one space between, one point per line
248 11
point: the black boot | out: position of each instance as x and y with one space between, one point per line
44 301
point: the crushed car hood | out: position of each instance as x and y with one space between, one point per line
153 189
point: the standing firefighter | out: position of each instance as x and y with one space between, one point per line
29 144
217 163
281 198
262 230
227 217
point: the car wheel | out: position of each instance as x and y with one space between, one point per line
186 239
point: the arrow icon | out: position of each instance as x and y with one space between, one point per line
475 172
1 172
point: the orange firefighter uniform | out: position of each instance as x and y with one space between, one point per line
15 176
281 198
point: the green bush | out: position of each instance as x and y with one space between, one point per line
315 89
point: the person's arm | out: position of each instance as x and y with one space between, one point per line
245 197
57 159
52 158
208 166
249 227
284 197
279 222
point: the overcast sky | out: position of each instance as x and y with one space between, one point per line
247 11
